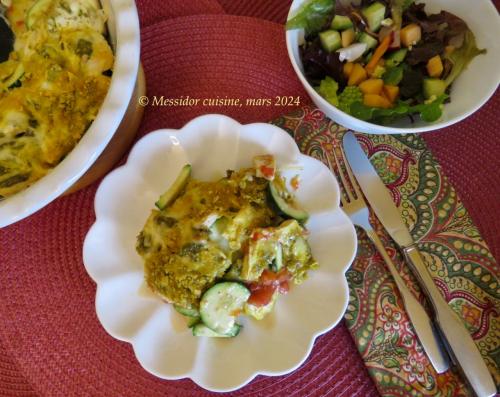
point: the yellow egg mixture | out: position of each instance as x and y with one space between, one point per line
52 86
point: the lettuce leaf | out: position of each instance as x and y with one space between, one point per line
312 16
461 57
429 112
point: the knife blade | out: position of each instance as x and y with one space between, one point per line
458 341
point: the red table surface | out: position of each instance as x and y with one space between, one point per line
50 340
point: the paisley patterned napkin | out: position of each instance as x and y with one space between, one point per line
456 255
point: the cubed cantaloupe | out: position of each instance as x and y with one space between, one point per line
391 92
410 34
347 37
372 86
358 75
348 69
376 101
435 66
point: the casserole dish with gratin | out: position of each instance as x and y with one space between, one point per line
64 90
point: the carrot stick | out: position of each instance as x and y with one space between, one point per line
379 52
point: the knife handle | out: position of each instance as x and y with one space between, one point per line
459 343
419 318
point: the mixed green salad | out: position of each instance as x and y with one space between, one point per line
381 60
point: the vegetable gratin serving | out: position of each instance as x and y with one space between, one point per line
52 84
218 249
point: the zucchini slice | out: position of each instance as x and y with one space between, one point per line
171 194
37 10
201 329
187 312
220 303
192 321
285 201
14 77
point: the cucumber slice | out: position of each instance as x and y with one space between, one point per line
201 329
374 15
37 10
368 40
187 312
433 87
341 22
330 40
171 194
219 304
396 57
285 201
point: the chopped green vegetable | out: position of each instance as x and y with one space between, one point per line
374 15
368 40
433 87
84 47
341 22
429 112
462 56
393 76
378 72
328 89
395 58
347 97
312 16
330 40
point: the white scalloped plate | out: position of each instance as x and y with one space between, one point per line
162 343
123 26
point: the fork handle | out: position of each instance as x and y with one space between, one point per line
416 312
459 343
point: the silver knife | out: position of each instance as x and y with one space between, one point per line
457 339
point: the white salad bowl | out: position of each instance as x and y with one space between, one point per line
475 85
162 342
123 28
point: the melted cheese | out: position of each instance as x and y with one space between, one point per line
209 232
43 116
183 248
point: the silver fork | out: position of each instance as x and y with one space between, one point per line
354 204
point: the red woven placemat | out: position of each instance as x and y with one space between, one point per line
51 342
152 11
52 330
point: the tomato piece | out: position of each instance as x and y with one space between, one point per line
284 287
268 277
261 292
261 234
268 172
261 295
256 235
